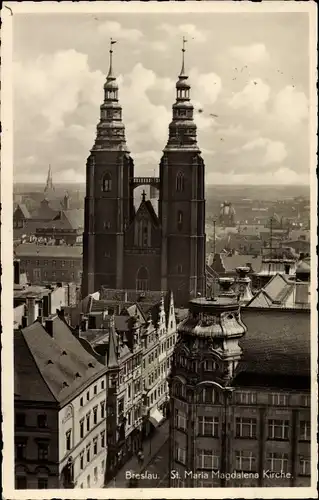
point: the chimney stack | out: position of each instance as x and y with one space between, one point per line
49 326
16 271
31 312
225 287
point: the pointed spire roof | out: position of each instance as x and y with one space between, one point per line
183 75
112 361
111 79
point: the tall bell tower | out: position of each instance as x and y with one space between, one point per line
109 204
182 201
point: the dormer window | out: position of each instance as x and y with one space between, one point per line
107 183
180 182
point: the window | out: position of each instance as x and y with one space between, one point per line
95 446
43 451
42 421
88 452
88 396
305 430
20 419
20 449
81 402
103 439
179 220
209 395
95 474
181 420
246 398
102 385
63 263
107 225
102 408
246 427
305 400
207 459
277 462
180 181
68 440
179 269
88 481
21 483
181 455
42 483
142 279
180 391
107 183
208 426
304 466
278 399
82 428
121 406
278 429
82 460
87 422
129 391
245 461
95 415
95 389
54 263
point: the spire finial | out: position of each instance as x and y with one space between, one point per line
182 73
110 73
143 195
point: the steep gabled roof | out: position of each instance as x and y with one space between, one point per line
23 210
62 360
146 208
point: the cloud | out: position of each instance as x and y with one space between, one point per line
274 151
115 30
253 96
250 54
283 176
184 29
291 106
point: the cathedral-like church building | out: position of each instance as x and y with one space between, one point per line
124 248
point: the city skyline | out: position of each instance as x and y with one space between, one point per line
250 94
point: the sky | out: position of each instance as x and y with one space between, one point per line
249 69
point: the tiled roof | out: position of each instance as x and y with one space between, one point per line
63 360
277 344
73 218
28 381
230 262
24 210
50 251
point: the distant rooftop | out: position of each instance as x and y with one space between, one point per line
58 251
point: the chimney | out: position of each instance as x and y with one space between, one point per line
16 271
31 315
24 321
225 284
49 326
92 322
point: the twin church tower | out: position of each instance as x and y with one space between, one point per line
141 250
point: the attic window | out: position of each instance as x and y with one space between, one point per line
65 384
50 362
64 353
91 365
77 375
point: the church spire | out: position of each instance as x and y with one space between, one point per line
182 129
110 130
182 74
49 183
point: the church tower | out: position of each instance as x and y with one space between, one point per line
182 201
109 196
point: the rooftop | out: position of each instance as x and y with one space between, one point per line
276 346
49 251
64 363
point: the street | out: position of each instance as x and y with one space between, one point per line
157 466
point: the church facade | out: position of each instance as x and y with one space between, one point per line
124 248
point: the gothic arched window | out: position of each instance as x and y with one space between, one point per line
107 183
179 219
142 279
180 181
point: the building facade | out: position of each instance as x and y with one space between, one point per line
240 403
60 408
143 250
50 263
